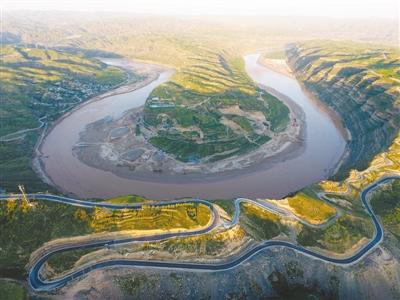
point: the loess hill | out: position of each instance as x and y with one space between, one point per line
38 85
361 83
211 110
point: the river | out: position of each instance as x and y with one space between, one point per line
324 145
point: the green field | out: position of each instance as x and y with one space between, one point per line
259 223
41 83
339 236
185 215
10 290
24 228
210 110
311 209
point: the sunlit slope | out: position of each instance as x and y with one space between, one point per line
34 82
37 86
209 77
361 83
48 221
211 110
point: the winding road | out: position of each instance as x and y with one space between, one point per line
38 284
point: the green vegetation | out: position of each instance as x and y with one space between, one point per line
184 215
25 228
211 110
360 82
38 85
311 209
10 290
386 203
226 204
259 223
127 199
339 236
45 82
65 261
346 194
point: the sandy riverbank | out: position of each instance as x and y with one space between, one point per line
98 148
278 65
304 159
148 74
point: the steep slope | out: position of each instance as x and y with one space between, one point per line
359 82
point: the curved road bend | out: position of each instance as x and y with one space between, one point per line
38 284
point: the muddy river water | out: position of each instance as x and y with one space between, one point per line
322 149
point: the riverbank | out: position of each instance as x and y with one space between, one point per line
99 147
363 249
277 65
373 126
148 72
304 156
283 67
337 121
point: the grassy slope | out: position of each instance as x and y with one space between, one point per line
360 82
355 224
386 203
311 209
254 222
335 232
207 57
12 291
24 229
150 217
259 223
37 83
64 261
345 194
339 236
192 128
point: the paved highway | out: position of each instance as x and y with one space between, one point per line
38 284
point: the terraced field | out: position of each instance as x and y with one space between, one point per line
361 83
185 215
211 110
354 225
49 221
261 224
37 86
311 209
345 194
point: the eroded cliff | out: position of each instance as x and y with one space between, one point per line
360 83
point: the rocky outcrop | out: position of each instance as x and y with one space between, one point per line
361 84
